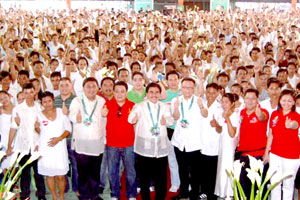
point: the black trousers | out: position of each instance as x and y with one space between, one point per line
189 172
88 168
208 175
152 169
26 179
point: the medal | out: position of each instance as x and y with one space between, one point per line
88 121
155 129
184 122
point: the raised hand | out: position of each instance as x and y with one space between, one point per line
135 119
36 124
163 121
213 122
258 111
289 123
200 102
176 104
65 110
104 111
17 119
78 117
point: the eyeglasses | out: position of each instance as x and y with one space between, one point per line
119 111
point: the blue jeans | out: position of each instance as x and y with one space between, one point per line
74 173
114 156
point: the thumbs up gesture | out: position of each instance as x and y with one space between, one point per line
176 104
135 119
17 119
258 111
290 124
78 117
104 111
213 122
163 121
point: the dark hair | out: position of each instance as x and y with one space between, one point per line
287 92
170 73
188 79
4 92
65 79
281 70
23 72
47 94
4 74
55 74
135 63
28 86
90 79
230 96
137 73
37 62
212 85
122 69
121 83
241 68
105 79
251 90
223 74
273 80
153 85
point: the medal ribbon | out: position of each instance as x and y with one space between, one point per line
155 125
182 110
85 111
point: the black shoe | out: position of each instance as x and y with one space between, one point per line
101 189
180 197
98 198
42 198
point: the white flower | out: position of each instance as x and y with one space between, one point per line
22 154
9 195
251 175
271 171
2 154
34 156
258 179
255 164
237 167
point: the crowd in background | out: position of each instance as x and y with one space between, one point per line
93 90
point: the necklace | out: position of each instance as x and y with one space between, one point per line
184 122
154 130
88 120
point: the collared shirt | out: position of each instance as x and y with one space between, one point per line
87 139
135 97
119 132
26 139
253 133
170 95
285 141
58 103
147 144
191 137
211 138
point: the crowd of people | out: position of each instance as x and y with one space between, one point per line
98 91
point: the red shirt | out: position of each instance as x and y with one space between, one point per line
285 141
253 134
119 132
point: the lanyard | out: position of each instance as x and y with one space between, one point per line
85 112
158 111
181 106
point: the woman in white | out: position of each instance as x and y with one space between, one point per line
226 124
151 144
53 127
5 119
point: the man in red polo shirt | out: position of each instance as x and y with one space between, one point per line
253 134
119 141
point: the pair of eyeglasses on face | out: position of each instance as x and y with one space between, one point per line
119 111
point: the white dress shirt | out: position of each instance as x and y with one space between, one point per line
147 144
211 137
191 137
88 140
26 139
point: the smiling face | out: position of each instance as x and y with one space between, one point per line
287 102
90 89
4 99
153 94
47 102
120 93
226 104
